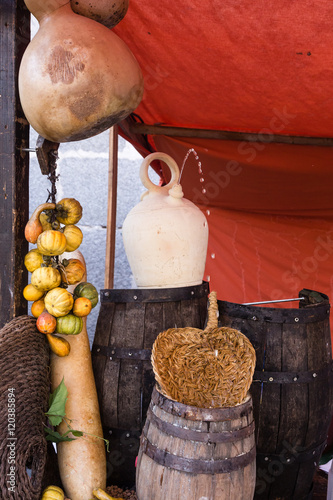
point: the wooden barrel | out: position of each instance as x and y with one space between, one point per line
190 453
291 390
127 326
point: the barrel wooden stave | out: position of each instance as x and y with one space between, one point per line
131 320
292 419
156 481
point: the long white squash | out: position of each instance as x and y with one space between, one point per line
82 463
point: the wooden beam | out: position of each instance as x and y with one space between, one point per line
225 135
112 208
14 163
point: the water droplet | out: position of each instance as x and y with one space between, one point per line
208 212
208 278
212 255
204 191
202 179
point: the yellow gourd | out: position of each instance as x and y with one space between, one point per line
32 293
51 242
102 495
69 211
77 78
44 220
53 493
58 345
58 302
33 260
45 278
73 236
34 227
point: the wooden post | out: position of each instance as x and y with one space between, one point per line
112 208
14 163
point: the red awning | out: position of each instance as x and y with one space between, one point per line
248 67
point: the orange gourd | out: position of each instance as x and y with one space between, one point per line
82 306
34 227
46 323
77 78
58 345
102 11
37 307
72 271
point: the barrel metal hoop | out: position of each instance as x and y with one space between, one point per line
303 315
196 413
293 377
292 454
121 352
193 465
197 435
155 294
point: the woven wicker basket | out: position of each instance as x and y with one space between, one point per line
205 368
24 367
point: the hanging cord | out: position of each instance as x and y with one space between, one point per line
52 176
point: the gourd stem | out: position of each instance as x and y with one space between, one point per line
212 321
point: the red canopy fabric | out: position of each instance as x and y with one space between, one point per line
234 65
246 67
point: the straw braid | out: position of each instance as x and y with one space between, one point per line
210 368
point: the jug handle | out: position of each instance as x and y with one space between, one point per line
144 172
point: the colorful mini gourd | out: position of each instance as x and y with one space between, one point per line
77 78
165 236
102 11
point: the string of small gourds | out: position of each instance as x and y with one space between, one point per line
52 227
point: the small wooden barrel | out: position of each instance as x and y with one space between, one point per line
190 453
128 324
292 390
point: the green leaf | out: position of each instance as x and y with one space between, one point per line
324 459
55 437
57 402
77 433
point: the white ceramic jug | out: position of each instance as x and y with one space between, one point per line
165 236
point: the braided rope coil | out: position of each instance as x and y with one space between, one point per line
24 393
209 368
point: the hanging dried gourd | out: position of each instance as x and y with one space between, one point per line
102 11
77 78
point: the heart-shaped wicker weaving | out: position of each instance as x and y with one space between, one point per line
205 368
